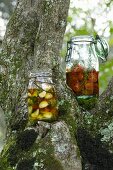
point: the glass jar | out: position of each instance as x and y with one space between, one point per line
82 64
42 99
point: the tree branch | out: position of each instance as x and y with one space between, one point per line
105 102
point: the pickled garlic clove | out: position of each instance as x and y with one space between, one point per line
30 102
29 94
48 96
35 114
30 109
46 86
39 117
42 94
35 94
43 104
46 114
49 113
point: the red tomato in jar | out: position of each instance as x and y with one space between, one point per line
70 78
74 78
80 76
88 92
93 76
76 87
89 86
96 88
78 68
77 72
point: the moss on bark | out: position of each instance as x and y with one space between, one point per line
33 40
45 156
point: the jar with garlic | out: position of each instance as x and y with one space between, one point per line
42 100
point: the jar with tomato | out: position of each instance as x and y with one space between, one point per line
82 64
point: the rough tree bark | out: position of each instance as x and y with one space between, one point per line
95 132
32 41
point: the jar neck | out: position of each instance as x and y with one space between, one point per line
41 77
79 44
82 39
40 74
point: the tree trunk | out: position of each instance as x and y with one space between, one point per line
32 41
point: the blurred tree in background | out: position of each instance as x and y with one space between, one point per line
6 8
90 17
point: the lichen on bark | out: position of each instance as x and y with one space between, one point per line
32 43
95 126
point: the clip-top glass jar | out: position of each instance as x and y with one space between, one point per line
82 64
42 100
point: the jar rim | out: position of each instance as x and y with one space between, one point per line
82 38
40 74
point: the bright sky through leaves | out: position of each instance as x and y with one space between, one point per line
96 15
84 14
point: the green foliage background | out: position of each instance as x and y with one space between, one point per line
106 72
